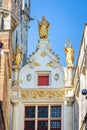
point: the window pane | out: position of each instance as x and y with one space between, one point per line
29 125
29 112
56 111
43 80
42 112
42 125
56 125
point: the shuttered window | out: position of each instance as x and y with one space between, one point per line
43 80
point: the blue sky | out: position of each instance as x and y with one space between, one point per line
67 19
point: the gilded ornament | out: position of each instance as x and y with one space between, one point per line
43 54
15 83
18 56
51 94
36 64
43 94
15 103
49 64
53 63
23 94
69 54
43 27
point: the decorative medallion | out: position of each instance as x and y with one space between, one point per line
29 77
56 76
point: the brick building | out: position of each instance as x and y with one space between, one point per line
11 13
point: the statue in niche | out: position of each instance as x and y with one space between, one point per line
18 56
69 55
43 28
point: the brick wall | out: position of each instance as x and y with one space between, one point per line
5 74
6 4
13 6
1 76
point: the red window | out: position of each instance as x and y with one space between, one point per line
43 80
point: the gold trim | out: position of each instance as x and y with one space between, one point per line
15 68
43 94
69 103
49 64
15 103
36 64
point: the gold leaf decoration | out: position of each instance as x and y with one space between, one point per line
36 64
43 94
43 54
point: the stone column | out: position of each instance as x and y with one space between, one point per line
36 116
15 81
16 72
70 75
15 116
49 111
70 117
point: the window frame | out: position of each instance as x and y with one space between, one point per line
42 73
49 118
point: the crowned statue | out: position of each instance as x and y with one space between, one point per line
43 28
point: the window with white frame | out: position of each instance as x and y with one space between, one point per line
47 117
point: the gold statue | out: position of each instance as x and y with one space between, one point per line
18 56
69 54
43 27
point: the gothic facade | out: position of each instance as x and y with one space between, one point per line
40 94
42 91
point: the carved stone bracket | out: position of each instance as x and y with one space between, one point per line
16 68
14 103
15 83
70 101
